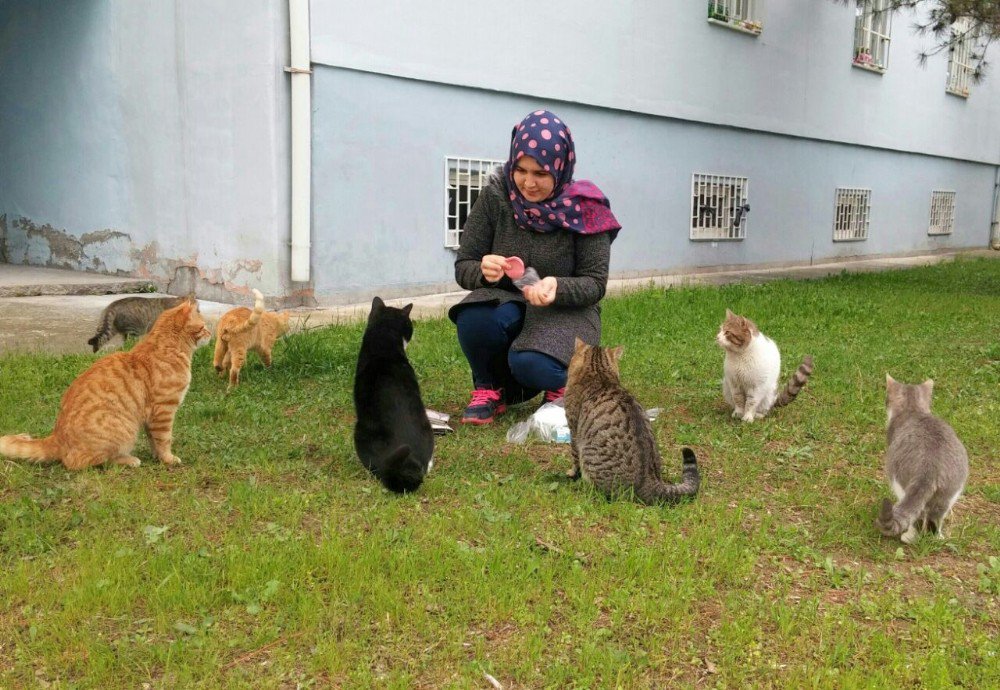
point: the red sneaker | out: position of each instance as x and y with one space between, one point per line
554 396
486 404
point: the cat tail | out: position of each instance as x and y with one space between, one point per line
104 331
401 472
796 383
893 520
27 448
258 309
658 491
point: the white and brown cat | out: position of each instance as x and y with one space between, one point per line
241 331
751 370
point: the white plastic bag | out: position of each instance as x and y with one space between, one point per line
548 423
530 277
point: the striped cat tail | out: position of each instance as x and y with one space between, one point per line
258 309
796 383
27 448
658 491
104 331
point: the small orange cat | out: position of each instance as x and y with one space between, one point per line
102 410
241 330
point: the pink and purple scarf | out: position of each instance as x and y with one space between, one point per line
577 206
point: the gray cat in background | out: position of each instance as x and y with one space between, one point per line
131 316
925 463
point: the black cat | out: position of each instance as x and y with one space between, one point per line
392 436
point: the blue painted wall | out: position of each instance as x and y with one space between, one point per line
378 180
139 137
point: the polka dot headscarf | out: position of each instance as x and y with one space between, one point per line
577 206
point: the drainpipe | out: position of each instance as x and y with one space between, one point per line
298 14
995 224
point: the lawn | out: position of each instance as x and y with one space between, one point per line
272 559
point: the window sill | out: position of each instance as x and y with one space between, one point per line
869 67
736 26
715 239
939 234
851 239
956 92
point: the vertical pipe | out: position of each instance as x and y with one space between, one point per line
298 13
995 222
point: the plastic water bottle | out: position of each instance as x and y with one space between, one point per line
560 434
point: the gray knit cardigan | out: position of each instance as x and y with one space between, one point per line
578 262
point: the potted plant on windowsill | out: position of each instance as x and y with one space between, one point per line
717 12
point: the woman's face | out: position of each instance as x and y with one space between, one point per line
535 184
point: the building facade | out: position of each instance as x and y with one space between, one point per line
725 132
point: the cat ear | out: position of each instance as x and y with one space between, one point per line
729 314
183 312
407 309
889 380
578 345
928 386
377 304
616 353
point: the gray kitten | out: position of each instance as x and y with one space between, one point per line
925 463
611 440
131 316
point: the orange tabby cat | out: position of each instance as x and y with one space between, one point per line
241 330
103 409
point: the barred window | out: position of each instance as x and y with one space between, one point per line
742 15
942 213
464 178
960 58
719 207
871 35
852 214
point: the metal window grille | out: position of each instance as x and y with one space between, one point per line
464 178
960 67
718 207
732 10
852 214
871 34
942 213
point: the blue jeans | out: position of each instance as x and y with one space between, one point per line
486 331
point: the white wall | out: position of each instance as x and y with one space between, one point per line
661 57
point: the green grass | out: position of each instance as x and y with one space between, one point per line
272 559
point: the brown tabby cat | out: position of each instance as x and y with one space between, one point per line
241 330
103 409
611 440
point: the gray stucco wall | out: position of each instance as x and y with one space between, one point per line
664 58
140 137
380 143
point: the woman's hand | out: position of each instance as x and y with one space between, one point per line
493 266
542 293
